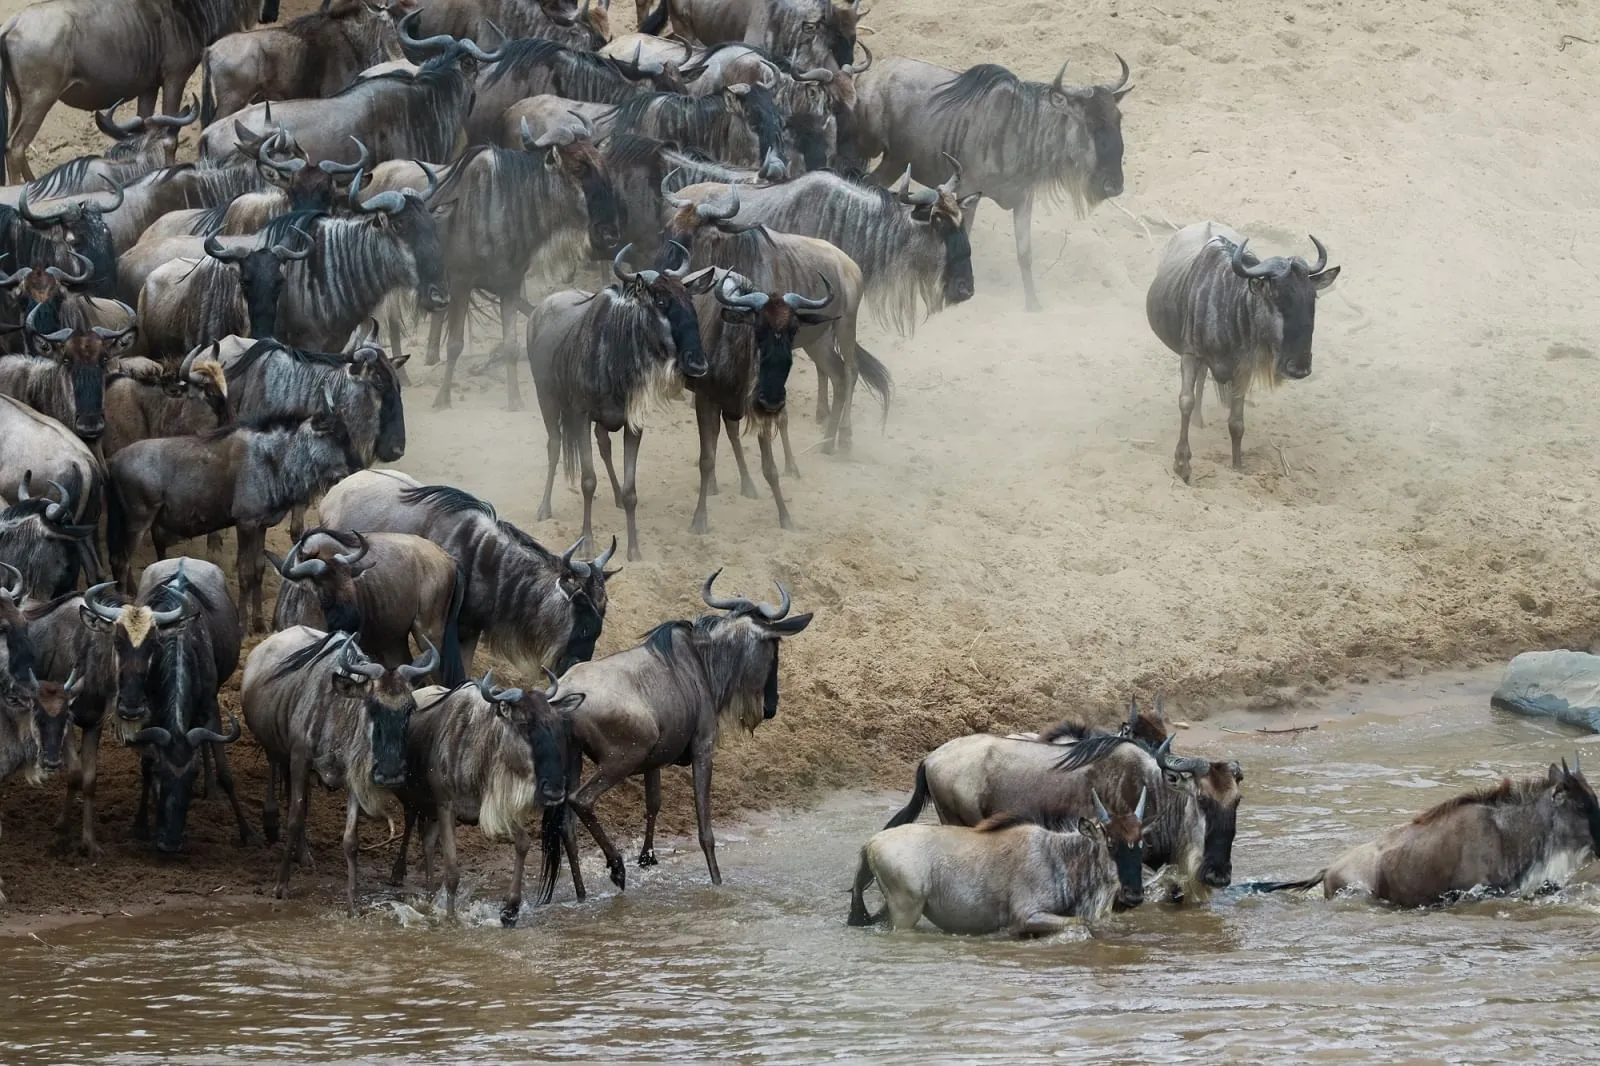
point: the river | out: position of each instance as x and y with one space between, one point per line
764 968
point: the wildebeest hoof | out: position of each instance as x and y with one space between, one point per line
244 836
790 470
619 873
269 828
1181 468
431 359
508 915
280 891
748 491
545 511
1031 304
647 858
827 447
515 405
700 525
441 402
635 555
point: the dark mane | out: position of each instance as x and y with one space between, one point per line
659 639
634 149
161 596
1002 820
35 611
263 348
525 540
277 422
1091 749
1071 727
1506 792
447 499
301 658
521 54
976 83
280 229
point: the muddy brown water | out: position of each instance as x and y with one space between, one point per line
765 968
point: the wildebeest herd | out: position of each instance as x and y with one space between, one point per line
192 347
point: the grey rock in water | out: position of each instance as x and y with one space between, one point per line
1564 685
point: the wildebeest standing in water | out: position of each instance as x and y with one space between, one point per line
1016 140
1005 873
1513 838
92 55
1243 319
663 703
487 756
600 359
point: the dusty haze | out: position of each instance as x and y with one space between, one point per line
1015 547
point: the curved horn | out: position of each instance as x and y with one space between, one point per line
738 603
215 249
623 273
267 155
776 613
152 734
1058 86
178 121
12 592
920 198
955 179
1179 764
1260 270
710 212
472 49
558 137
751 300
683 267
11 279
577 566
433 181
1322 255
821 75
107 123
588 127
282 252
357 554
676 202
86 268
105 612
1122 81
106 332
185 609
74 683
29 215
117 191
56 510
797 302
438 42
423 666
604 557
363 161
24 493
1138 810
201 735
851 68
54 338
555 683
384 203
296 569
1100 811
486 685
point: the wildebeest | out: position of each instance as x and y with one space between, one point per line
749 338
1003 874
44 289
380 586
398 116
19 678
1016 139
312 56
1221 309
663 703
33 731
498 209
740 124
91 55
229 291
142 145
40 536
246 476
174 646
601 359
562 21
36 443
176 188
65 377
1515 837
194 401
979 776
536 608
83 230
533 67
487 756
316 704
807 33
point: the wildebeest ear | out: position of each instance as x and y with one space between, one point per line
788 627
1120 93
1237 771
612 573
569 701
1086 827
92 620
272 176
922 212
400 361
701 281
1323 280
1555 776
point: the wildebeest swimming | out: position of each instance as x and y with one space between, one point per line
1243 319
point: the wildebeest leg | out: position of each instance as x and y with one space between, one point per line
269 809
513 903
397 874
630 494
147 103
586 481
508 341
837 435
747 484
705 417
1236 423
299 775
352 809
207 778
219 755
430 841
702 811
1022 230
30 116
446 816
602 441
453 345
297 521
147 781
1200 396
88 767
214 548
582 803
252 540
1180 458
396 335
1041 924
652 807
769 470
569 842
789 466
435 332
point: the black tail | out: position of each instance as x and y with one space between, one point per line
858 903
656 21
919 797
452 671
876 377
208 98
574 423
552 834
1284 886
5 112
117 545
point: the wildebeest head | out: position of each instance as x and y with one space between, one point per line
202 376
45 287
52 717
827 33
406 214
583 585
1574 799
669 293
331 438
740 649
309 188
1124 840
331 561
18 682
371 368
938 207
135 630
1216 787
153 140
387 701
83 226
544 720
83 357
441 51
39 535
760 110
775 319
571 153
1092 121
261 276
1291 287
